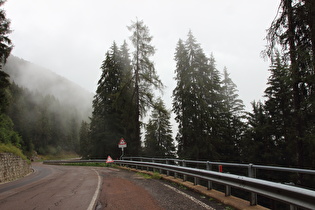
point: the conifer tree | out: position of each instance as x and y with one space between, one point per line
145 77
232 115
257 146
293 31
279 106
158 138
232 103
109 104
181 98
197 101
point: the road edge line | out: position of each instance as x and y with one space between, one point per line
95 196
190 197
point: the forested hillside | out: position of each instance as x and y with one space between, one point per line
46 109
39 79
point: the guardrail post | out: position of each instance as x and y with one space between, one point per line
252 174
185 176
227 190
154 170
196 181
209 168
160 171
141 167
167 171
227 187
175 173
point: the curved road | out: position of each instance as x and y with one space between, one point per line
51 187
72 187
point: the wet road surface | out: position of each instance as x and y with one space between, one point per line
77 187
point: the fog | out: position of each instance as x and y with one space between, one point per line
71 37
45 82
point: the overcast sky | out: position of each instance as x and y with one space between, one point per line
71 37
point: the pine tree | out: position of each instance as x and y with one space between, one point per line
232 103
279 106
257 146
233 120
181 98
197 101
145 77
158 139
293 31
106 117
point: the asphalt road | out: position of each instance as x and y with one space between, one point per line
72 187
51 187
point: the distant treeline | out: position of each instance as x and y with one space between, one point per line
45 124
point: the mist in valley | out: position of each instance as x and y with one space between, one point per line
44 81
47 109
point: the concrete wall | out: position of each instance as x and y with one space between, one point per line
12 167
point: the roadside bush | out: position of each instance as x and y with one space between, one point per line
9 148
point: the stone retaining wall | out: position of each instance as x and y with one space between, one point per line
12 167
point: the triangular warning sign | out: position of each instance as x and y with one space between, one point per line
109 160
122 142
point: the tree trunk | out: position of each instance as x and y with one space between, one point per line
137 95
298 131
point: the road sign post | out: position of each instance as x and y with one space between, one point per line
122 144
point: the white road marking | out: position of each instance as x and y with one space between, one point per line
190 197
96 192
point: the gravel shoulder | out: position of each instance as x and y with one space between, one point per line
122 189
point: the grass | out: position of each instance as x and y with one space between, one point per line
144 175
8 148
180 186
155 175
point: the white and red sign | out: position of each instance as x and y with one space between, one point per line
122 143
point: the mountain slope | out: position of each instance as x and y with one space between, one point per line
46 82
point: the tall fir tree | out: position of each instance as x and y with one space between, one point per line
232 103
196 101
158 139
126 102
145 77
278 107
293 31
233 116
109 104
181 98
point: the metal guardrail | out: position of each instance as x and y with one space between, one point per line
239 165
292 195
